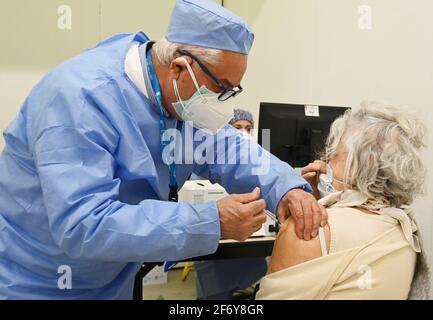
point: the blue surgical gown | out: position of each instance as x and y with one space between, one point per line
83 184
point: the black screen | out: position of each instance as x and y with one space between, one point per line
295 137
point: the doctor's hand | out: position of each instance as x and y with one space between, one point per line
241 215
305 210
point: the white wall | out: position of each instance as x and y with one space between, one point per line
33 42
15 85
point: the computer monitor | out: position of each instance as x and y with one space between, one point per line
297 132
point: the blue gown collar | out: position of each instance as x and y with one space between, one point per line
141 37
149 89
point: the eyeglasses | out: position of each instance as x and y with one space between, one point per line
226 93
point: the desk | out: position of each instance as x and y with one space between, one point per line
227 249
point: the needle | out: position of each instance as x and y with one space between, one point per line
272 216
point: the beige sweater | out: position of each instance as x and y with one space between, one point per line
369 258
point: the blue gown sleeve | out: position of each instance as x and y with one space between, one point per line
246 166
77 173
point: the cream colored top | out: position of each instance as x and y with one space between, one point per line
352 227
369 258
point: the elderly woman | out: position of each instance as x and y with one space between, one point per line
369 250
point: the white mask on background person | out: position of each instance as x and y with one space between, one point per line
203 109
246 135
325 186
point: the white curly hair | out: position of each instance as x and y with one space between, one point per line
384 152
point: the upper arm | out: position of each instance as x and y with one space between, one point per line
289 250
76 174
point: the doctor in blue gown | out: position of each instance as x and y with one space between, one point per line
87 193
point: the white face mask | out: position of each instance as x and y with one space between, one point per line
203 108
325 186
246 135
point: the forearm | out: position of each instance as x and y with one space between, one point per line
150 231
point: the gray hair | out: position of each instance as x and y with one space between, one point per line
165 52
384 152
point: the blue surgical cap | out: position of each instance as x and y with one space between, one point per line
240 114
207 24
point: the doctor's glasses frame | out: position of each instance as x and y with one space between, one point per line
227 93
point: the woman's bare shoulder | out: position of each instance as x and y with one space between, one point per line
289 250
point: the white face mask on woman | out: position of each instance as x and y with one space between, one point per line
203 109
325 186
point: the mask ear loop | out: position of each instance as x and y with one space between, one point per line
177 94
329 170
343 183
191 73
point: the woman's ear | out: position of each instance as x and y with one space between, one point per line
178 65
